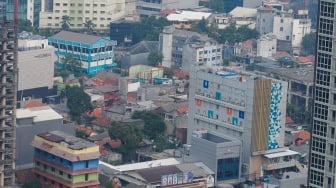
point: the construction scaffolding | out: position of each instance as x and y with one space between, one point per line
8 90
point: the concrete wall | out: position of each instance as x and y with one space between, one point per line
264 23
282 27
36 68
25 134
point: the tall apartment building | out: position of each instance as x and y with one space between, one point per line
63 160
244 106
100 12
28 10
8 74
323 151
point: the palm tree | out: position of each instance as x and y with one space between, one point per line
89 25
65 22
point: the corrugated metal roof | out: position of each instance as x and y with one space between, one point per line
76 37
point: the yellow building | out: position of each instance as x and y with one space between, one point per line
100 12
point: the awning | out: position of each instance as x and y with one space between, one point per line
281 154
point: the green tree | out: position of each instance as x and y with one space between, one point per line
80 134
78 102
65 23
148 28
89 25
169 73
72 64
129 135
25 25
154 123
308 43
154 58
201 26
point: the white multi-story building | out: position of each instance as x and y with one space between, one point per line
100 12
266 45
282 26
301 27
247 107
154 7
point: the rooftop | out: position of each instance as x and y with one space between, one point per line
77 37
240 12
67 140
182 16
43 113
299 74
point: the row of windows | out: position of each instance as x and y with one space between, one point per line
319 128
80 11
79 18
325 43
316 178
321 111
317 161
326 26
79 4
208 51
73 25
324 60
322 77
327 9
318 144
322 94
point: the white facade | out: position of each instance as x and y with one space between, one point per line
167 47
240 105
100 12
36 68
149 8
266 46
282 26
30 11
301 27
32 44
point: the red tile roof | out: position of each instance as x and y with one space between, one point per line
102 122
97 112
181 73
34 104
183 109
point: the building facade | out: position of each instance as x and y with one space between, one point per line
264 22
322 157
8 74
28 10
63 160
30 122
266 45
241 105
147 8
100 12
94 53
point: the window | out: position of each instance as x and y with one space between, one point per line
60 173
321 111
80 12
53 169
325 43
322 77
65 11
281 28
327 9
322 94
72 4
323 60
319 145
319 128
326 26
102 12
87 11
317 161
57 4
65 4
87 4
316 178
281 20
86 177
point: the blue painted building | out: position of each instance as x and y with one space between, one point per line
95 53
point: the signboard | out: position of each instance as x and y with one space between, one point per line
177 179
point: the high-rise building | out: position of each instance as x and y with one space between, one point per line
8 85
322 149
63 160
241 105
27 10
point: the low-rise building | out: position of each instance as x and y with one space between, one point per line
63 160
94 53
30 122
266 45
184 19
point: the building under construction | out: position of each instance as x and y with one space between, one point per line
8 87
